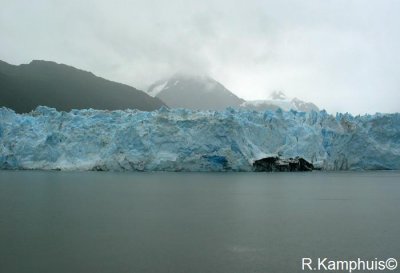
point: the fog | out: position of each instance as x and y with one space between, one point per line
341 55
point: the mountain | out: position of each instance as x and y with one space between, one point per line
204 93
26 86
279 100
193 92
186 140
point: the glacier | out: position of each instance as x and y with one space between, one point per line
189 140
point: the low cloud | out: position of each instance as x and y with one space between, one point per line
342 55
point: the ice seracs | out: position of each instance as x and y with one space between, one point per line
186 140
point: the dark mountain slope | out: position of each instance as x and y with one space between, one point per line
24 87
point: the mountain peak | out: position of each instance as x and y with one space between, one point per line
193 91
277 100
42 62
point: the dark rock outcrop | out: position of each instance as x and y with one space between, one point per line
276 164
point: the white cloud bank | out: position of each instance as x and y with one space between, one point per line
343 54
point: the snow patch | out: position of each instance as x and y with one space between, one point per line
157 89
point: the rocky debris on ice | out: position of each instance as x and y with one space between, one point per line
277 164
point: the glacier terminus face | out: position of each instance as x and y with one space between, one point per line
188 140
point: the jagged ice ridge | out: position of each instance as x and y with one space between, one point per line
186 140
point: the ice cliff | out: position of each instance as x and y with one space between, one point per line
185 140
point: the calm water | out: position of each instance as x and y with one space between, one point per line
194 222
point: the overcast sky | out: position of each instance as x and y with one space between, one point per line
341 55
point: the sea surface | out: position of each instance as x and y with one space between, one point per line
194 222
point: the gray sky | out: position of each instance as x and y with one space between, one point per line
342 55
